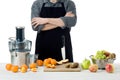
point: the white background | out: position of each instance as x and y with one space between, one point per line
97 26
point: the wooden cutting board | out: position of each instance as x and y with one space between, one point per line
61 68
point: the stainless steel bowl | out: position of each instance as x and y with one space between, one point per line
101 62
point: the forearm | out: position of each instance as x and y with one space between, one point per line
68 20
56 21
48 27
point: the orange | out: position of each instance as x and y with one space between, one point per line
53 62
39 62
24 65
47 61
52 66
33 65
48 65
33 69
14 68
8 67
49 58
23 69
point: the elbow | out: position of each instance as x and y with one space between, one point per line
34 29
71 23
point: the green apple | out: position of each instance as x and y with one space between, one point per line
85 64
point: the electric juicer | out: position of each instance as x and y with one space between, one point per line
20 48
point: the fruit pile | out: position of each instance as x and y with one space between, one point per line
23 68
49 63
103 54
101 60
104 60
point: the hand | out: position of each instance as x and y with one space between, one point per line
39 21
69 14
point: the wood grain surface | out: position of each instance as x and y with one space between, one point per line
61 68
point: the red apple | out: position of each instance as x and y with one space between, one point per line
93 68
106 53
109 68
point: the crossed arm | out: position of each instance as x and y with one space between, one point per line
50 23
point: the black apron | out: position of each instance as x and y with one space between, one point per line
50 42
